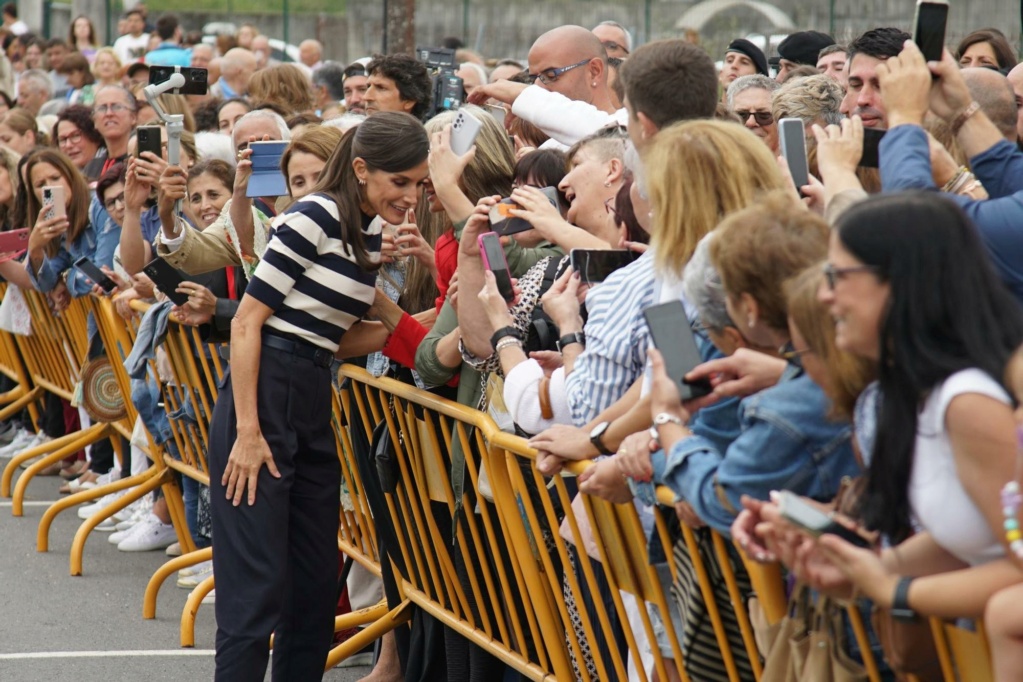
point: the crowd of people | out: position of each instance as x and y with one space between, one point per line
865 326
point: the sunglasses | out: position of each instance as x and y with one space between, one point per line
548 76
763 118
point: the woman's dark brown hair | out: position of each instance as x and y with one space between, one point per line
390 142
81 116
1004 53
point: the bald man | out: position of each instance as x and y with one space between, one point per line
261 49
996 97
570 97
1016 81
236 69
310 53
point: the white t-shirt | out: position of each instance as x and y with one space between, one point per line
940 503
130 49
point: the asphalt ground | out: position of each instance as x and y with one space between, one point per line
54 627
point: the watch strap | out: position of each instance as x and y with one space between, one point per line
901 609
597 438
569 339
504 332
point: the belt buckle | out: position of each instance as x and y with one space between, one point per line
322 358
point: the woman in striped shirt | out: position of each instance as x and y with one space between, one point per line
276 555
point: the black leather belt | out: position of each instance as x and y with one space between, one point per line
319 356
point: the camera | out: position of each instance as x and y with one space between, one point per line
448 89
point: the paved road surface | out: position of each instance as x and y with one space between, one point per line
90 629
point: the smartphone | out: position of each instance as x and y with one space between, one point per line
499 114
673 336
505 224
95 274
792 136
167 279
53 200
815 522
267 178
929 28
594 265
14 241
871 157
148 139
195 78
494 260
464 131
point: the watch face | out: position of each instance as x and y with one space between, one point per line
599 430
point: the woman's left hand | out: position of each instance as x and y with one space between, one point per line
410 242
604 480
537 210
862 566
633 456
201 300
148 169
494 304
561 302
248 455
664 395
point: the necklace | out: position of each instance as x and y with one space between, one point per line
1012 500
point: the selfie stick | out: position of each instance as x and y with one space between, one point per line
175 122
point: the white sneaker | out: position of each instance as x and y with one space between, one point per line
109 477
148 535
37 440
90 509
106 526
21 441
210 598
120 534
199 572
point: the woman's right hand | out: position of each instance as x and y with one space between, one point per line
477 224
839 148
136 190
248 455
446 167
173 186
46 230
148 168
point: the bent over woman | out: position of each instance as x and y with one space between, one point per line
276 527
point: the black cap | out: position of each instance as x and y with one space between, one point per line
752 51
135 68
804 47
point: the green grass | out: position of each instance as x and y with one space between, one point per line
228 7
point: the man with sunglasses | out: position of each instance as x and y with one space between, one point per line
749 98
570 97
615 38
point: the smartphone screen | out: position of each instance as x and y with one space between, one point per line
793 147
149 139
494 260
595 265
93 272
673 337
929 28
871 157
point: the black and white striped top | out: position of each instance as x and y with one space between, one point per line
315 288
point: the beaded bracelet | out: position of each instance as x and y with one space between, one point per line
1012 500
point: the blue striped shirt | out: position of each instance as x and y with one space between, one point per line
309 279
616 340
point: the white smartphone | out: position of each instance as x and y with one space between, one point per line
793 147
53 200
464 131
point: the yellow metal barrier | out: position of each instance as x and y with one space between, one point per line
24 395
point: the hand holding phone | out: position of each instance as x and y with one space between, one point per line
492 254
673 336
54 202
929 28
792 137
464 131
167 279
815 522
596 265
14 242
97 276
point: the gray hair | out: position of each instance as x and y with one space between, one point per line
129 96
701 283
282 125
832 49
213 145
331 75
754 82
345 121
480 71
814 99
628 34
40 79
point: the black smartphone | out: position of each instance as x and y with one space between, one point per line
493 259
93 272
195 78
871 157
792 136
673 337
814 521
929 28
594 265
167 279
148 139
505 224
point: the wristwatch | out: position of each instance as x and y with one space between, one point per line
569 339
502 333
597 437
662 419
901 609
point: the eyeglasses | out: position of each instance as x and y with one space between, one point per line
73 138
834 275
112 202
548 76
611 46
788 353
114 108
763 118
609 206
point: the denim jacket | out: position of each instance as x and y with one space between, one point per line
95 244
787 443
